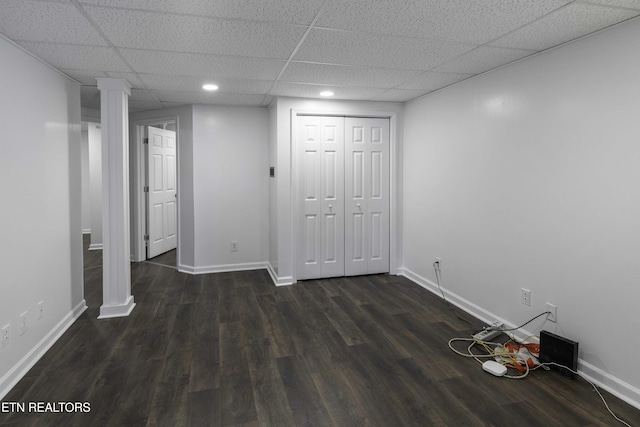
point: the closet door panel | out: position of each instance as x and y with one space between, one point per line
367 195
320 148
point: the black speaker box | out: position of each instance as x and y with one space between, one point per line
554 348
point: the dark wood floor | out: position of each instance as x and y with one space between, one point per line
167 259
231 349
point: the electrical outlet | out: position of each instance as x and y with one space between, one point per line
40 310
496 326
24 320
5 335
553 313
234 246
525 297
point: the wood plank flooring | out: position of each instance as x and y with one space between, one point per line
231 349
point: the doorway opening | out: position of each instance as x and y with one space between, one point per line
155 226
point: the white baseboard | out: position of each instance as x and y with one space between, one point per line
120 310
613 385
221 268
279 280
606 381
15 374
95 247
465 305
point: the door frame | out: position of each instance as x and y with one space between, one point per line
138 174
393 177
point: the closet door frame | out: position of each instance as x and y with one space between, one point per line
393 178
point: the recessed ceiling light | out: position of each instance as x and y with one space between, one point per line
326 93
209 86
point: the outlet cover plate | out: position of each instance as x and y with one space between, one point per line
24 321
553 313
5 336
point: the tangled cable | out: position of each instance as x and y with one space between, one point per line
521 356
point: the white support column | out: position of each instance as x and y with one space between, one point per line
116 258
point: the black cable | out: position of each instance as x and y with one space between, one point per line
524 324
437 271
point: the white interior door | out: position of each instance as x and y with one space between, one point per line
321 196
366 196
343 193
161 202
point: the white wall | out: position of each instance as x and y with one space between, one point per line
231 185
40 183
86 192
95 183
280 192
529 176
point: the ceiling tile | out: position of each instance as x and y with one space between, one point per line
33 21
132 78
633 4
398 95
370 50
85 77
569 23
158 31
194 84
208 98
193 64
313 91
77 57
142 105
167 104
482 59
288 12
431 81
142 95
139 99
340 75
467 21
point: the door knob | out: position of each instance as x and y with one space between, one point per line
330 208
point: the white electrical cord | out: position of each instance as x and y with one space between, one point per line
543 365
592 385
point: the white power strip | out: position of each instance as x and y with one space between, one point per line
486 335
490 332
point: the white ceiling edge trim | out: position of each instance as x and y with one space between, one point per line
42 61
526 58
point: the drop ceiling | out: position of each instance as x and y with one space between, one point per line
255 50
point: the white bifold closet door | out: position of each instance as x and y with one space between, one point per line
366 196
321 194
343 196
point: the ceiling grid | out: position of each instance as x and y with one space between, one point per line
254 50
